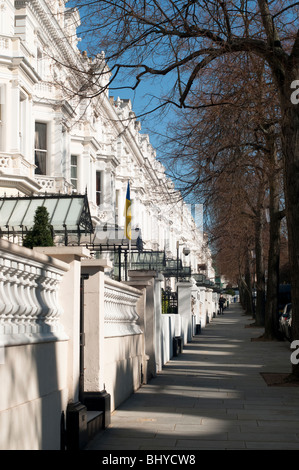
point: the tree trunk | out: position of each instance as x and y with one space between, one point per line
290 147
260 270
247 287
271 313
241 292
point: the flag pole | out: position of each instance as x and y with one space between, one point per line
130 232
128 214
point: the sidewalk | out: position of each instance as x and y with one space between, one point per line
212 396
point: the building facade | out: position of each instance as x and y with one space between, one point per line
57 136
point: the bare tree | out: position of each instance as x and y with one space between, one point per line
241 139
187 42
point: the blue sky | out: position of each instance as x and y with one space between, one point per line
144 100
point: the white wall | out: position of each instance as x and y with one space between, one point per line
124 355
34 370
34 396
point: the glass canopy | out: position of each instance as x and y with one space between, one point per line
148 261
67 214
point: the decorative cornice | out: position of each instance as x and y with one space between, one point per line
52 28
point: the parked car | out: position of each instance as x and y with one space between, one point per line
284 325
289 326
284 297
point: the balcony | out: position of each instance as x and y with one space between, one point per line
5 45
15 164
53 184
17 173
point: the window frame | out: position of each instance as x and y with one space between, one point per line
99 179
74 179
41 151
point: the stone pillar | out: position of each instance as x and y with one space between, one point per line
146 279
94 323
202 306
184 309
209 304
195 303
70 303
142 284
158 320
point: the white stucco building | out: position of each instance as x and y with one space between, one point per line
54 139
72 152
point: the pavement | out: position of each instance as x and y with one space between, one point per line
212 396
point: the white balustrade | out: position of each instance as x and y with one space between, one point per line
4 44
15 164
47 183
44 90
29 301
120 312
53 184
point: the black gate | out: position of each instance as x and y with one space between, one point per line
169 301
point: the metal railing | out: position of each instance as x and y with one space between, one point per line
169 301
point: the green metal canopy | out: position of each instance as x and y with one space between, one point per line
156 260
67 213
149 261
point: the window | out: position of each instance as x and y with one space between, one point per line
74 172
98 187
40 148
116 206
1 116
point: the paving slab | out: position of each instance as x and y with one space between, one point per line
212 396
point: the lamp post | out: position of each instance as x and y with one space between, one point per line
186 252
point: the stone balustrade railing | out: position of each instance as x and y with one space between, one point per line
15 164
29 299
53 184
120 312
5 44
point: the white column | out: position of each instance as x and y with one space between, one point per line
146 279
94 353
184 309
202 306
195 304
4 114
85 175
55 146
13 117
29 150
70 302
158 312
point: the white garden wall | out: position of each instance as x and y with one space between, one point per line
33 373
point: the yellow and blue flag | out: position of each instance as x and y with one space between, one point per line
128 214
